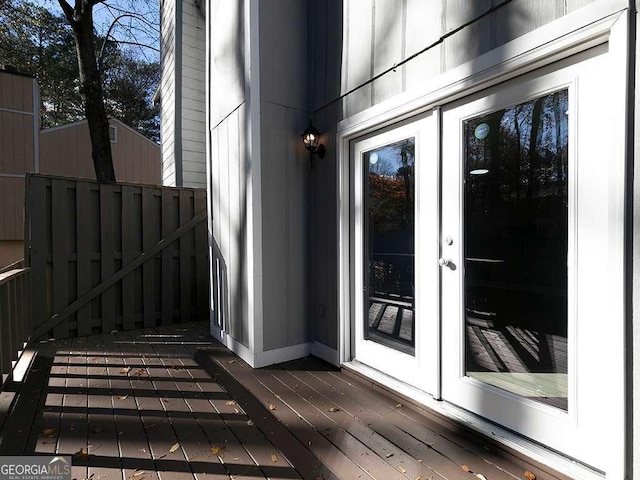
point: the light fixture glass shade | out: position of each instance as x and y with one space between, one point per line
311 137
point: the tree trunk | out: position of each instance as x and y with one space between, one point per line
81 19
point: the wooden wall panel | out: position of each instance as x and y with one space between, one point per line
82 233
67 151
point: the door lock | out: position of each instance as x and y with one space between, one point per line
444 262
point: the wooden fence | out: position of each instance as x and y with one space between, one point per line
15 318
108 257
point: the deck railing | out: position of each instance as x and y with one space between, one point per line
15 317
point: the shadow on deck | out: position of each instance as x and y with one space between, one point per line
170 403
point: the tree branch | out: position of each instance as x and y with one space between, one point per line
68 11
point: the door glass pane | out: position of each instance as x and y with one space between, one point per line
516 234
389 232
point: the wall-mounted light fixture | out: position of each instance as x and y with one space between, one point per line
311 139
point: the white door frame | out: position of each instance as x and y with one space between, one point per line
597 23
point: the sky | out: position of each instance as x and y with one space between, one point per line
128 29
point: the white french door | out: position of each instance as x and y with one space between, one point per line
394 230
487 272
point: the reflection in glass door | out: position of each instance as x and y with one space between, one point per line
389 245
515 248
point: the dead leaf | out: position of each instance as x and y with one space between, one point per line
80 454
250 423
229 402
48 432
232 361
465 468
123 397
389 455
402 470
125 370
274 458
334 409
272 406
139 372
399 405
137 473
480 476
418 478
218 449
236 410
174 447
114 331
529 475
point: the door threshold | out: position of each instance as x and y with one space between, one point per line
511 444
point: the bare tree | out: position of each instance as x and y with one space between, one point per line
80 17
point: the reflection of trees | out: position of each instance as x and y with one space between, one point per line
390 204
517 212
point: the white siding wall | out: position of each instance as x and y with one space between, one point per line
167 91
230 174
285 171
374 36
193 96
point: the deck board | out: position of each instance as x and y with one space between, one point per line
128 398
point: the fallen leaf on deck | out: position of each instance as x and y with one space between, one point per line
250 423
465 468
114 331
125 370
139 372
137 473
402 470
123 397
177 367
232 361
236 410
80 454
418 478
274 458
480 476
334 409
389 455
399 405
48 432
529 475
272 406
174 447
218 449
229 402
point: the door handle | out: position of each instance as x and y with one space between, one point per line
444 262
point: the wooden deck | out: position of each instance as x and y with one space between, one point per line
171 404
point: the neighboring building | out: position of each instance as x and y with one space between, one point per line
19 127
182 115
66 150
468 240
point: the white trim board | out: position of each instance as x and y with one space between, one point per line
261 359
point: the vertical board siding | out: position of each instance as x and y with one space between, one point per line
93 231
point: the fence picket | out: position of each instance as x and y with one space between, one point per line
150 235
129 232
202 263
167 260
60 235
107 251
185 257
83 254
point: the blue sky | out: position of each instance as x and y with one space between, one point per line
128 29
